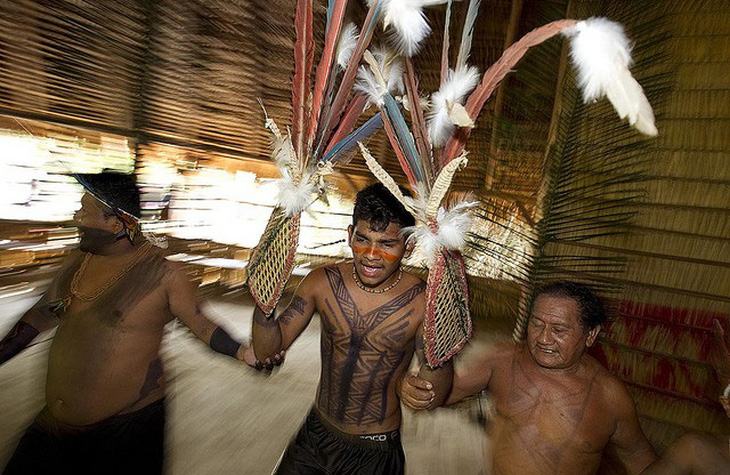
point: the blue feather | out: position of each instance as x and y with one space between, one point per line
330 6
341 148
405 138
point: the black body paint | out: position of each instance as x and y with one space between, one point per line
222 342
356 391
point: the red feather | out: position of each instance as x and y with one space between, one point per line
445 46
397 149
353 111
348 79
420 133
303 59
324 68
494 75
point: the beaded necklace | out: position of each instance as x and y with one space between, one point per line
376 291
88 297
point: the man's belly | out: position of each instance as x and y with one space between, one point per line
95 374
368 412
523 450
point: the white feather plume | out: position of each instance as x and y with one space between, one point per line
601 52
452 93
452 226
388 79
346 45
294 197
409 23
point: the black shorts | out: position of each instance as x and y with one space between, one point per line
121 444
319 448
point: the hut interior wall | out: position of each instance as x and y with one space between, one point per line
676 248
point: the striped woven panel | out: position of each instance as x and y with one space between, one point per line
447 324
272 262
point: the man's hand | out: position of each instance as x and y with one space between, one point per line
720 353
247 355
416 393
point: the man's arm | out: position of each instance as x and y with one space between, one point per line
184 304
274 335
469 377
632 447
432 383
36 320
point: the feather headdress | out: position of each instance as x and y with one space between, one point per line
324 114
432 150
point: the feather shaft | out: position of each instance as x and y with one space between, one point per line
348 79
405 138
419 124
445 45
326 65
303 59
494 75
393 138
467 33
338 151
354 110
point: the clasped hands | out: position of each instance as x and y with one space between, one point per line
249 357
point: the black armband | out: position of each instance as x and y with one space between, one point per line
20 335
222 342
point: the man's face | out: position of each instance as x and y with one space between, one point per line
96 230
556 338
377 254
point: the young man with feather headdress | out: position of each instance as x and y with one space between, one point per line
110 302
371 314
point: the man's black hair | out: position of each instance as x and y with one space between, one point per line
592 312
117 190
376 205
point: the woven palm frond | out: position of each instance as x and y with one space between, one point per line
272 261
447 324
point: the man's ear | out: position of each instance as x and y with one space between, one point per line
350 229
117 225
593 335
410 245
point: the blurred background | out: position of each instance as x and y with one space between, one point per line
169 90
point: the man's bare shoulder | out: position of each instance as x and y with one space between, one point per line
318 275
174 273
411 279
73 257
612 389
497 354
316 281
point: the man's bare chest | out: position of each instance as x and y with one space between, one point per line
383 323
549 417
130 297
393 334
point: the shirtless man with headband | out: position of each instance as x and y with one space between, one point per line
105 385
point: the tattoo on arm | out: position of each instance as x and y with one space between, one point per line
14 342
222 342
296 307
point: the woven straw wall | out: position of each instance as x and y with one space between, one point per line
677 248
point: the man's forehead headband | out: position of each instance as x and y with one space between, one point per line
118 192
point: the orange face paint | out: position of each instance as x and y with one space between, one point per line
385 255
